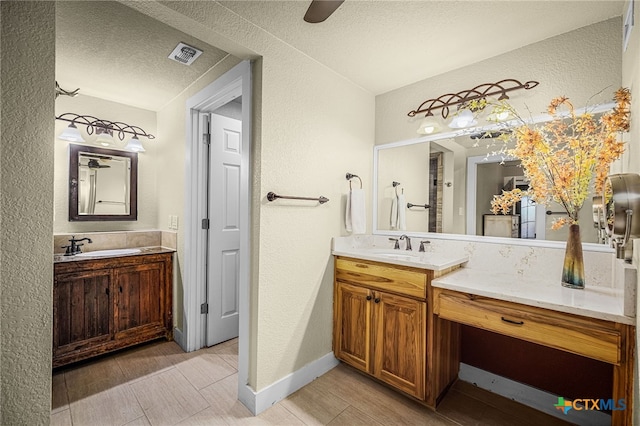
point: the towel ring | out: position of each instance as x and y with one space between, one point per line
351 176
395 186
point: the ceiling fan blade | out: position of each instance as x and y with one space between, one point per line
319 10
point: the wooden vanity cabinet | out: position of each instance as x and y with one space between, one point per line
139 304
83 311
598 339
382 326
101 305
352 325
400 332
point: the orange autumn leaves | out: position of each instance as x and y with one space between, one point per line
563 157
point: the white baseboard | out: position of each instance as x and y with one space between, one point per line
178 337
528 395
259 401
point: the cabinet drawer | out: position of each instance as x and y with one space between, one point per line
378 276
583 336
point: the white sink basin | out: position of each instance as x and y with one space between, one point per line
114 252
394 253
398 256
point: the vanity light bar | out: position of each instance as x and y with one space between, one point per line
98 125
479 92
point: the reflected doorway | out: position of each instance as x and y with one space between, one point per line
435 191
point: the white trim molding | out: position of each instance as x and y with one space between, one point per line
284 387
236 80
530 396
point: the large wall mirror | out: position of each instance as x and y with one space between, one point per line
103 184
456 178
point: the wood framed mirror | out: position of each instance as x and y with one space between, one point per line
103 184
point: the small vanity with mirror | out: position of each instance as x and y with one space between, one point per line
111 290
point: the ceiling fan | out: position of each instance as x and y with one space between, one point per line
319 10
95 164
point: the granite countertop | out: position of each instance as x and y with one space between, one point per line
592 301
429 260
59 258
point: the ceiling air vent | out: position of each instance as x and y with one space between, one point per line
185 54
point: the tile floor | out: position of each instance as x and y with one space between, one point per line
159 384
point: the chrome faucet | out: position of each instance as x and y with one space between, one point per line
74 247
405 237
422 243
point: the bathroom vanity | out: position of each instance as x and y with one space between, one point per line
588 323
380 307
105 303
397 317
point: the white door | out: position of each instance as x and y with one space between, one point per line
223 271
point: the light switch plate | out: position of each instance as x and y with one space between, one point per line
174 222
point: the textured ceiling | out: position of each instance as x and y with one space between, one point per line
384 45
113 52
110 51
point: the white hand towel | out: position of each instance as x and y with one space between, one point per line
347 214
394 212
402 217
358 212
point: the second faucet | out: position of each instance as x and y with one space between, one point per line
405 237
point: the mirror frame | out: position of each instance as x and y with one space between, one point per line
74 159
595 109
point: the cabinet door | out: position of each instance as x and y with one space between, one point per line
352 322
82 310
140 298
400 333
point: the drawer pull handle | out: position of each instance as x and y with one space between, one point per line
512 321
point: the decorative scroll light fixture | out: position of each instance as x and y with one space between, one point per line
104 129
465 117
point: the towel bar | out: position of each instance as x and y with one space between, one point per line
423 206
272 196
549 212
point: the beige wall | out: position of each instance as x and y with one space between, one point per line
26 209
148 163
631 78
578 64
630 162
408 165
311 126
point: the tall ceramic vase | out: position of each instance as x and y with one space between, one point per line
573 269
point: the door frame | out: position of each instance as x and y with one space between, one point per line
472 187
236 81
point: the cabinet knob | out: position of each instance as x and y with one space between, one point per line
376 300
369 297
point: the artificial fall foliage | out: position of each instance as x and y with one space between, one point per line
564 157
